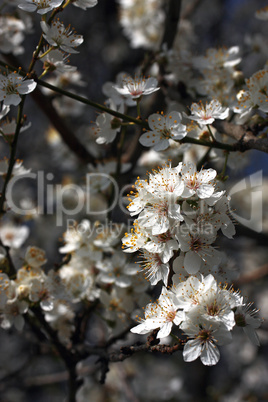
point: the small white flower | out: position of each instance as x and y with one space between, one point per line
163 128
206 114
190 291
215 305
8 128
11 34
12 86
159 214
110 91
262 14
164 244
76 282
206 336
199 183
56 60
244 104
256 95
18 168
197 248
218 58
137 87
42 6
59 36
107 126
13 236
117 303
155 269
257 85
13 314
245 318
161 315
80 238
116 270
61 319
136 239
35 257
84 4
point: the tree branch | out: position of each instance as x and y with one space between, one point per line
171 22
246 138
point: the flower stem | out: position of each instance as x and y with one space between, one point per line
211 135
138 109
46 52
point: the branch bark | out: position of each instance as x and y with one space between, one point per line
171 22
246 138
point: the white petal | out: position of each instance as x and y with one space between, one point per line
165 330
210 355
252 335
140 329
192 350
192 262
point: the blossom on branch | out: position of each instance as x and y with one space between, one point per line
42 6
12 86
163 128
84 4
57 61
138 86
60 37
206 114
162 314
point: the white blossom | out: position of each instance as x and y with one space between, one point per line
35 256
116 270
200 183
84 4
262 14
218 58
206 114
57 61
41 6
137 87
206 336
162 314
11 34
163 128
246 318
60 37
12 86
154 268
107 126
13 236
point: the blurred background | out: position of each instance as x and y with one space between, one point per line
28 370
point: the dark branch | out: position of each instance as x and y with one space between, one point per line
246 138
171 23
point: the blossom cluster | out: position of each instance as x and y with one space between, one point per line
179 214
97 270
204 311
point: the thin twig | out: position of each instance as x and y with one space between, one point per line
171 22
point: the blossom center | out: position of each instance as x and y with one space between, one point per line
171 315
204 335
